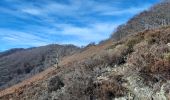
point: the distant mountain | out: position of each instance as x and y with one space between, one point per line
11 51
155 17
18 64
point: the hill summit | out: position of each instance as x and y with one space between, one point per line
156 17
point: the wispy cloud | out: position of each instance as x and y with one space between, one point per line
21 38
40 22
32 11
93 32
131 10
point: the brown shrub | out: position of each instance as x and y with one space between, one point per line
150 62
132 41
161 68
108 89
153 37
55 83
159 36
159 71
108 57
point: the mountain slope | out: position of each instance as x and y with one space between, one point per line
19 64
137 67
155 17
8 52
64 64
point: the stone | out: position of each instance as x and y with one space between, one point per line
168 44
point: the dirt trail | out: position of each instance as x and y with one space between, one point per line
43 75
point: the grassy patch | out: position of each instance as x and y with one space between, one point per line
167 56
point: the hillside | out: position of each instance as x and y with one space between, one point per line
157 16
136 67
64 64
19 64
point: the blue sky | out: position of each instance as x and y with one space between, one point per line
30 23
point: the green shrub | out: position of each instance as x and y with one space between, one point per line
133 41
113 46
167 56
151 40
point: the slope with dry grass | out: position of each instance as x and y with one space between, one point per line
157 16
136 67
64 63
17 65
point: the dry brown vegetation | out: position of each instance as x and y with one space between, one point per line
18 64
156 17
108 89
86 76
151 58
66 63
109 70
